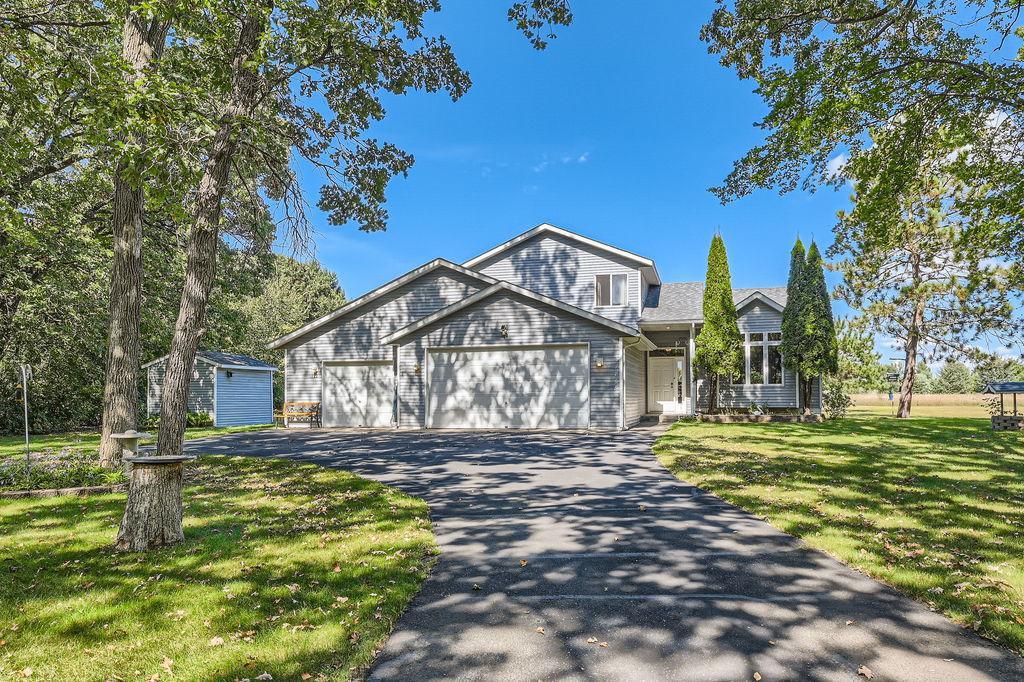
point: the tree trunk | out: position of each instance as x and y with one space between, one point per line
142 44
910 365
712 393
806 394
152 516
201 249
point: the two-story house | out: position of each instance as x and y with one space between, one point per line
550 330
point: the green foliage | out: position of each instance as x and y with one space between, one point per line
925 279
924 379
67 469
940 78
955 377
860 366
993 368
820 354
792 346
196 420
835 400
719 346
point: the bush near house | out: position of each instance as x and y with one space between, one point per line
932 506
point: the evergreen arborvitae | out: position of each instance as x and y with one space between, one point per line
792 346
820 349
719 346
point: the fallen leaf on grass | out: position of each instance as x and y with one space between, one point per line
166 665
540 630
603 644
865 671
27 672
757 676
217 641
523 562
591 640
306 676
265 676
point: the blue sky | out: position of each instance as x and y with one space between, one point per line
616 131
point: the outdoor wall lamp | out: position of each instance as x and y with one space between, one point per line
416 368
229 374
504 331
599 363
316 371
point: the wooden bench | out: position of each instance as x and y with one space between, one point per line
302 412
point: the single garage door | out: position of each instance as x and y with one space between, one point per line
358 394
536 387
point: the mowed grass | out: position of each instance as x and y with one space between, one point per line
287 569
12 446
932 506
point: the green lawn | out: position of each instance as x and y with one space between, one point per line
90 440
286 569
932 506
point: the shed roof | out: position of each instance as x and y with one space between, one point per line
684 301
221 359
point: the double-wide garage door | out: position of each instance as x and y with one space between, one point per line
537 387
358 394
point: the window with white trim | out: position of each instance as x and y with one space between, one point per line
610 289
762 360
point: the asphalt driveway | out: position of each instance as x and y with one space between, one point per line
578 557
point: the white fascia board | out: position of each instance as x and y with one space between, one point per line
758 296
250 367
199 358
375 294
507 286
551 229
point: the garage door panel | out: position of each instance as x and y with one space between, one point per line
509 388
358 395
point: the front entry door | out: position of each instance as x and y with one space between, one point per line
666 384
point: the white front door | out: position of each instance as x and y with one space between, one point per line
534 387
666 384
358 394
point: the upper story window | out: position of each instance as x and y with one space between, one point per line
610 289
762 360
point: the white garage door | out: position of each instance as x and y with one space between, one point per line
520 388
358 394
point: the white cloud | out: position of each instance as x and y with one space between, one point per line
835 165
564 160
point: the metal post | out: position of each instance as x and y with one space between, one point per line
1014 404
26 372
1002 404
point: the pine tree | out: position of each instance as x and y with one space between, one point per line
792 346
820 354
719 346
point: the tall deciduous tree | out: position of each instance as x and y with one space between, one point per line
719 346
143 38
923 278
930 72
269 68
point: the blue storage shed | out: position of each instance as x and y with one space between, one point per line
235 390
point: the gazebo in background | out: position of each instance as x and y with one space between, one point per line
1003 421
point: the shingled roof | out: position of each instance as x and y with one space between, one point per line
221 359
684 301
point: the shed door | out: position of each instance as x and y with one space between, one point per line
358 394
244 396
518 388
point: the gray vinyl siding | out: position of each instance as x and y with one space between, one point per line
200 387
564 269
758 317
529 323
356 336
635 385
246 397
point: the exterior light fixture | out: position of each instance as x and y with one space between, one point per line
599 363
504 331
416 368
229 374
316 371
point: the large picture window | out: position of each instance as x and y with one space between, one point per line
610 289
762 359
